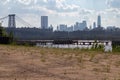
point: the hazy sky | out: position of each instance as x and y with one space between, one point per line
63 11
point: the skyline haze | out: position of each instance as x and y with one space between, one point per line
64 11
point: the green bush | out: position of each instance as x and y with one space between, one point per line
116 48
3 33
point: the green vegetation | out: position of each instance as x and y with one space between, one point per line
97 47
5 37
3 32
116 48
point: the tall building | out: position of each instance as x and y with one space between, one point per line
94 25
44 22
99 21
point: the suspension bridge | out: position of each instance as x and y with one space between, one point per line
13 21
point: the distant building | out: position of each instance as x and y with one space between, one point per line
44 22
80 26
84 25
94 25
99 21
76 26
90 27
51 27
70 29
86 29
111 28
63 27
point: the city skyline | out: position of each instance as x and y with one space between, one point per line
64 11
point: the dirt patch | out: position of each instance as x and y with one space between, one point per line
31 63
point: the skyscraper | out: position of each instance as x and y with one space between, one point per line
44 22
94 25
99 21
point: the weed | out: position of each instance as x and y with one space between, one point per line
80 58
92 55
116 48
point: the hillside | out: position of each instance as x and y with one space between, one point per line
35 63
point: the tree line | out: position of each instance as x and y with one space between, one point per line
47 34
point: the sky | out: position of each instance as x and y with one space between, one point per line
63 11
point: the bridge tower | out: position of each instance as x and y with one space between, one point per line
11 21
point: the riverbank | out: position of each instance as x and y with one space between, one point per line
35 63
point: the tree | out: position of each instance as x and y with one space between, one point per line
3 33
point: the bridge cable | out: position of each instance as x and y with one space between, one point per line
23 22
4 18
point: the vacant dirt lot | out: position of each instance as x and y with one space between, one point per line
33 63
